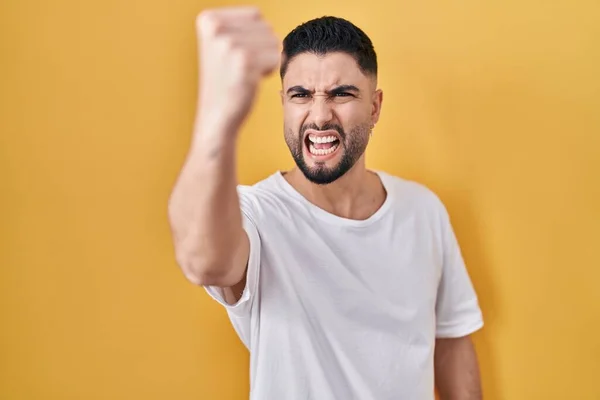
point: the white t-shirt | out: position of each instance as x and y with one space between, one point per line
340 309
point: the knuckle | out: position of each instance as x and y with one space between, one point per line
203 17
255 12
208 23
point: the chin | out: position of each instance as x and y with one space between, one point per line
323 173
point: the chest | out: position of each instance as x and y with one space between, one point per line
388 272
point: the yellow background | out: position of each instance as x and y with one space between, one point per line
494 105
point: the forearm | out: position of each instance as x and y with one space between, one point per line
237 49
456 370
204 210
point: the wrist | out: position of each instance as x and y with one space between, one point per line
217 122
213 138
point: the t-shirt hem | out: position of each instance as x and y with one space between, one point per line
216 293
459 330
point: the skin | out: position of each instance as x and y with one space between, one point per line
456 367
331 90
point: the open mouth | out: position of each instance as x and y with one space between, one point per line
322 145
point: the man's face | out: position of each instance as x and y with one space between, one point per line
329 107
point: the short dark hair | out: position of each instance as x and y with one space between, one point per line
325 35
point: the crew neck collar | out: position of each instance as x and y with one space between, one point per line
332 218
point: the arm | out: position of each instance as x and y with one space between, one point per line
457 316
456 369
211 246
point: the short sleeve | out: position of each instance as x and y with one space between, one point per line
457 308
243 306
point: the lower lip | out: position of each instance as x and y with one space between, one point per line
320 158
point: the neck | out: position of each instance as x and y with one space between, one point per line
356 195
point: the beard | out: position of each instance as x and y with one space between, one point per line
352 145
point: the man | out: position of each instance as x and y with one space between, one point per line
344 283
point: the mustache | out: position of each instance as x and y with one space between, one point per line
326 127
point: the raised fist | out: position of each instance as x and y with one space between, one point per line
237 48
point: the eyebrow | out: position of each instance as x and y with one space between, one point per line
336 90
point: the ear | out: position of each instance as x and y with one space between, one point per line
376 103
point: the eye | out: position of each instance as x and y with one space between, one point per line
342 94
299 95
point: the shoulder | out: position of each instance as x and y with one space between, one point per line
264 189
420 202
266 197
412 193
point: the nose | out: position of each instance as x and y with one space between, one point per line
321 111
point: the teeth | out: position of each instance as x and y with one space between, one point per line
322 152
321 139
